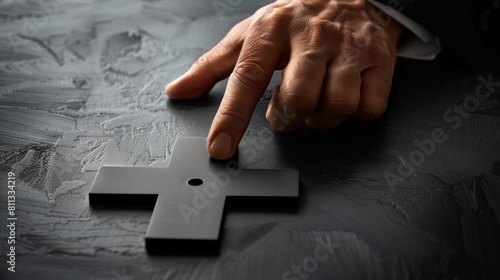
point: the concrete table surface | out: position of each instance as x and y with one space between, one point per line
413 195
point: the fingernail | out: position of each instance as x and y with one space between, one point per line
221 146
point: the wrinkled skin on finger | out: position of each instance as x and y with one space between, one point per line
337 59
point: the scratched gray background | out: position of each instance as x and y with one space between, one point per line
81 85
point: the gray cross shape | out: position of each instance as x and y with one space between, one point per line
191 193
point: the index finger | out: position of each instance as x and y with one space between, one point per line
259 56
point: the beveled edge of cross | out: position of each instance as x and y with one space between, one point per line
223 184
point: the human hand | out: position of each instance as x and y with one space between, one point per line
337 58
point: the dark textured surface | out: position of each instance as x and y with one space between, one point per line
85 89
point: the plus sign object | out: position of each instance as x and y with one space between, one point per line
191 194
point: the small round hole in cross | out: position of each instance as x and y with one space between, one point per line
195 182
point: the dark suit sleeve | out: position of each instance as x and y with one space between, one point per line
465 26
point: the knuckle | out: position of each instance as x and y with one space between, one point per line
300 104
262 12
309 61
355 5
372 38
381 57
271 18
203 60
365 35
380 46
335 5
319 31
342 108
250 73
371 29
348 77
232 116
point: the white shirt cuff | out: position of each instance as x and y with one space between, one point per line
421 45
